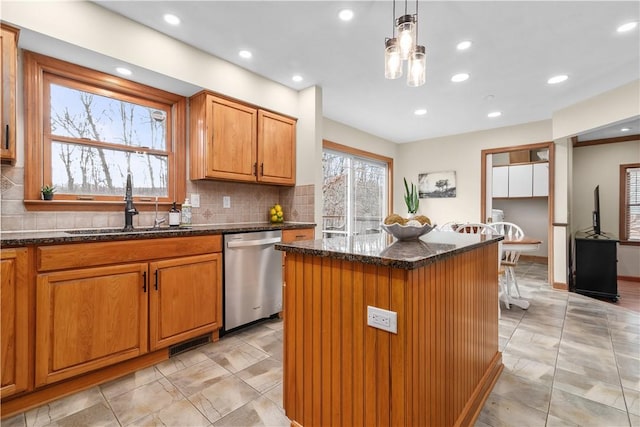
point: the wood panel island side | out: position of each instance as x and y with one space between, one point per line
439 367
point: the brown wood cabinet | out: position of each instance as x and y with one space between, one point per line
89 318
297 234
8 67
15 327
239 142
98 304
186 301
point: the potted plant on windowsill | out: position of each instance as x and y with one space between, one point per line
47 192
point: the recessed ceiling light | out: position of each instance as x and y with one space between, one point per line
557 79
171 19
346 14
123 71
494 114
627 27
245 54
420 112
460 77
297 78
625 130
463 45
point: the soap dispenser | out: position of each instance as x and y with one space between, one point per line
185 220
174 216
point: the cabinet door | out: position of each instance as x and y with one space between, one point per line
186 298
541 179
89 318
9 59
297 235
15 309
231 147
500 181
276 149
520 181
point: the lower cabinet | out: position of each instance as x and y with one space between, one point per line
89 318
15 329
185 299
90 315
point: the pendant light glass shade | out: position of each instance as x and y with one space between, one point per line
416 75
406 30
392 60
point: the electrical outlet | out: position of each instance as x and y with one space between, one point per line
226 202
195 200
382 319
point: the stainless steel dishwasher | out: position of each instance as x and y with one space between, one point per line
252 277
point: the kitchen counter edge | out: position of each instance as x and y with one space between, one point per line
29 238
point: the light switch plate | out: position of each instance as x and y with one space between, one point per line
226 202
195 200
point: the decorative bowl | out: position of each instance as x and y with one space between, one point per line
407 232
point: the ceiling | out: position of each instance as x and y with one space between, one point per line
516 47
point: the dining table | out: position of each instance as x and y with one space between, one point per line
519 244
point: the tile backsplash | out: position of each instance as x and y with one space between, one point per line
249 203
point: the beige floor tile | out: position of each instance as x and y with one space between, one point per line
264 375
238 357
223 398
181 413
197 377
144 400
585 412
259 412
130 382
275 395
181 361
632 398
529 393
527 368
96 416
500 411
589 388
64 407
15 421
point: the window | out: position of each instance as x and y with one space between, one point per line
90 130
355 190
630 203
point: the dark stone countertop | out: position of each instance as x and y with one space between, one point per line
382 249
15 239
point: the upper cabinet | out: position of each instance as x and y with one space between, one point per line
521 174
238 142
8 66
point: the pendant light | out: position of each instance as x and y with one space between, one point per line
403 46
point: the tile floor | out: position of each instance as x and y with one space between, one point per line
569 360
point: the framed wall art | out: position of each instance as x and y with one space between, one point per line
437 184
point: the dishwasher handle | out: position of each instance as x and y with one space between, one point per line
249 243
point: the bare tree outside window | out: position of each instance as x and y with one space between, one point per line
97 140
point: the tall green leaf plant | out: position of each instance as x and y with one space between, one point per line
411 197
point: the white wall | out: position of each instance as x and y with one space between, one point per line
462 154
532 215
600 165
346 135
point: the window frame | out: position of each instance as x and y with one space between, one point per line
39 70
333 146
623 205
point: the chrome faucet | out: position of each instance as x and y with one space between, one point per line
129 209
157 221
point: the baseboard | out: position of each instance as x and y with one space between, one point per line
629 278
560 286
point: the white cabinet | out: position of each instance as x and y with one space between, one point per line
521 181
527 180
540 179
500 181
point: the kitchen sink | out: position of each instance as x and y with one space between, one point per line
122 231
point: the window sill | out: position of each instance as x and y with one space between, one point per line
630 242
87 205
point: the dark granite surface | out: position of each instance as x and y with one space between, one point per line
382 249
11 239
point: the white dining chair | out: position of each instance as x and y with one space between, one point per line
448 226
510 258
485 229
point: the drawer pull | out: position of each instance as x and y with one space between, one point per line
84 197
156 274
144 282
6 140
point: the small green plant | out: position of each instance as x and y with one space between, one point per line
411 197
47 191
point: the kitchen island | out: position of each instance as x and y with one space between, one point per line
439 367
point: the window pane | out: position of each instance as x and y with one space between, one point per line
334 193
79 114
369 184
78 169
633 196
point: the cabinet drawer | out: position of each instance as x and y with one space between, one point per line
61 257
297 234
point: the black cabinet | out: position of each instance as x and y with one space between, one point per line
596 265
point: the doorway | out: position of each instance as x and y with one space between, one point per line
519 160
